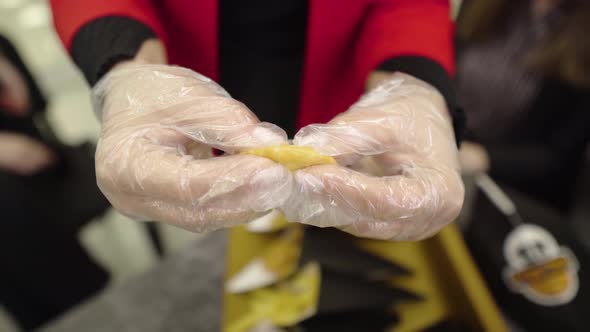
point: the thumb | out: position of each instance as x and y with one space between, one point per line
222 123
348 137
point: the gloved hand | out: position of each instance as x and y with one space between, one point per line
154 161
401 179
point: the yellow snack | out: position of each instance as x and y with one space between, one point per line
276 263
292 156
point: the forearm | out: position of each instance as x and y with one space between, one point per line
105 42
152 51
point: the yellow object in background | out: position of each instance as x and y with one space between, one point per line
277 262
248 247
443 272
292 156
285 304
549 278
446 276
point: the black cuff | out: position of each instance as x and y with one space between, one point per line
433 73
102 43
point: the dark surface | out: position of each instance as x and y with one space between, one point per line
544 153
536 145
335 251
45 271
485 237
351 321
181 294
341 293
261 46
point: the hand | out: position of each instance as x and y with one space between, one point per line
473 158
401 181
154 162
14 93
23 155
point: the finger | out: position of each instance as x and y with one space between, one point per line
405 205
225 124
133 86
186 102
366 133
346 135
222 123
150 181
373 132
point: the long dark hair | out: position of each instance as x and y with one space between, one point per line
8 51
565 54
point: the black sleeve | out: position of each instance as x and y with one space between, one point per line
434 74
103 42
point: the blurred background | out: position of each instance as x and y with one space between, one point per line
123 247
539 160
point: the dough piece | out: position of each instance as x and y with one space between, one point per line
292 156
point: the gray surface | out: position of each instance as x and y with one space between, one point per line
181 294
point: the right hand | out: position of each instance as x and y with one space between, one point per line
398 177
154 162
23 155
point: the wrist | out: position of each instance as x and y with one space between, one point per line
151 51
398 87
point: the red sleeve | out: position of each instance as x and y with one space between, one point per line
70 15
395 28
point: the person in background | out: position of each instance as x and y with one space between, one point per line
47 192
523 77
294 64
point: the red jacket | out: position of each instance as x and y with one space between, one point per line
346 40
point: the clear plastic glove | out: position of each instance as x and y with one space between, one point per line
399 178
154 161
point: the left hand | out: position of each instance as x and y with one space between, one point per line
399 177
